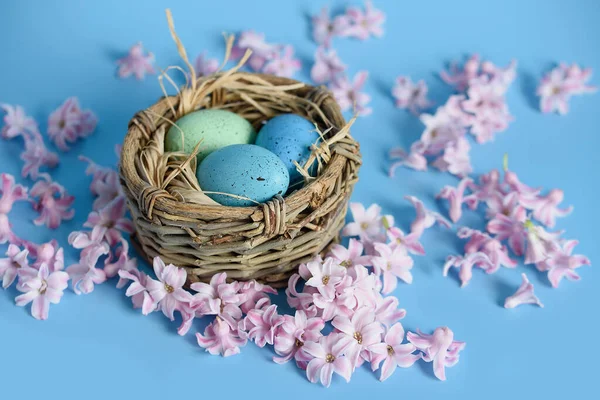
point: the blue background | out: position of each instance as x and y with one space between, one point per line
97 347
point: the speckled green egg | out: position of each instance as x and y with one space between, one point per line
216 129
244 170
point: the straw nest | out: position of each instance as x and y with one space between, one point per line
178 222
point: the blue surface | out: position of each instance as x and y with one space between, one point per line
96 346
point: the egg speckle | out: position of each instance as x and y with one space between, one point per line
243 170
216 128
289 136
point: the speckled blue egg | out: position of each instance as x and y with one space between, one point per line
243 170
290 137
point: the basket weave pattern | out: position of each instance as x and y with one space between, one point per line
265 242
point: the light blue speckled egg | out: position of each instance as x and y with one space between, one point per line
243 170
290 137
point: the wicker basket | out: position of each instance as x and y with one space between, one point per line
266 242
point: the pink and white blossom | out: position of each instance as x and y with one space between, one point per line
36 156
252 292
545 208
167 291
325 276
392 263
69 122
205 66
137 290
491 247
511 229
415 159
17 122
364 24
562 263
540 243
560 84
362 329
136 63
411 96
387 311
328 357
110 222
15 260
219 298
456 198
9 194
425 218
455 158
261 50
392 352
460 78
366 223
41 288
220 338
439 348
327 66
105 184
349 94
325 28
466 263
84 275
53 203
261 323
409 242
523 295
283 64
351 256
291 335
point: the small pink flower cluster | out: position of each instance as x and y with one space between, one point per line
42 281
512 207
53 203
69 123
482 112
411 96
108 222
266 57
136 63
9 194
557 87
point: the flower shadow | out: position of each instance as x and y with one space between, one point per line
502 290
528 88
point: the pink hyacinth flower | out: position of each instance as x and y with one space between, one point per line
137 290
42 288
387 311
441 348
283 64
84 275
545 208
511 229
523 295
455 158
291 335
362 330
136 63
328 357
349 94
205 66
69 123
489 185
367 23
557 87
46 253
54 204
16 122
261 50
415 160
524 191
411 96
456 197
502 76
261 324
220 338
366 223
325 276
460 78
9 194
324 28
392 263
491 247
110 222
508 205
392 352
425 218
36 156
105 184
327 66
409 242
351 256
562 264
11 265
168 292
122 262
219 298
466 263
540 244
253 292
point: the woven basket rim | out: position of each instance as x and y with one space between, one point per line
130 150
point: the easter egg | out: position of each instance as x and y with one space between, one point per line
216 129
290 137
244 170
